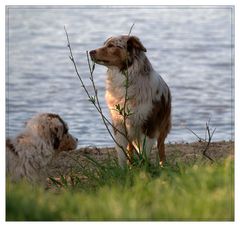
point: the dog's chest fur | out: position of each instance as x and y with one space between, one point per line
143 91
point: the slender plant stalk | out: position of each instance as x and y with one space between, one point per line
75 66
208 141
199 138
210 135
104 119
126 74
124 111
125 114
130 30
92 99
91 69
126 99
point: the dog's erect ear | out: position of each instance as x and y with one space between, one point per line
134 43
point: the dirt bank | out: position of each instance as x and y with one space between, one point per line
179 152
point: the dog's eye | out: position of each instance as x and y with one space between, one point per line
110 46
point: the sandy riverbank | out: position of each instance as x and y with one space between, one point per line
179 152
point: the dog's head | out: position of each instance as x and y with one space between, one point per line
52 130
118 51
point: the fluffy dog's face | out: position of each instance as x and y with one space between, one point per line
52 130
117 51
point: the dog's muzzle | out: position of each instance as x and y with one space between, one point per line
92 54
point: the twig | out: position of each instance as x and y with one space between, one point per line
209 141
125 115
126 98
122 110
210 135
131 29
75 66
199 138
92 99
91 69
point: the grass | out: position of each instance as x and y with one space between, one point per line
196 191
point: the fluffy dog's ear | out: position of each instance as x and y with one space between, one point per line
56 135
56 143
134 43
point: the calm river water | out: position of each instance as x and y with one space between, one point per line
191 47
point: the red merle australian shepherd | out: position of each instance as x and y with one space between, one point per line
149 97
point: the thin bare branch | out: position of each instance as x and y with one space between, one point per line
104 119
75 66
91 69
96 105
131 29
210 135
208 141
199 138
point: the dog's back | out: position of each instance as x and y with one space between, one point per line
25 160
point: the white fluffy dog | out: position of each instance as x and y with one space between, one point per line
28 154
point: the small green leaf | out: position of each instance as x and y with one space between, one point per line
54 181
118 107
64 181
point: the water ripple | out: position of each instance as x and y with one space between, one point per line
191 48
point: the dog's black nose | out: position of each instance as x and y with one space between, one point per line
92 52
